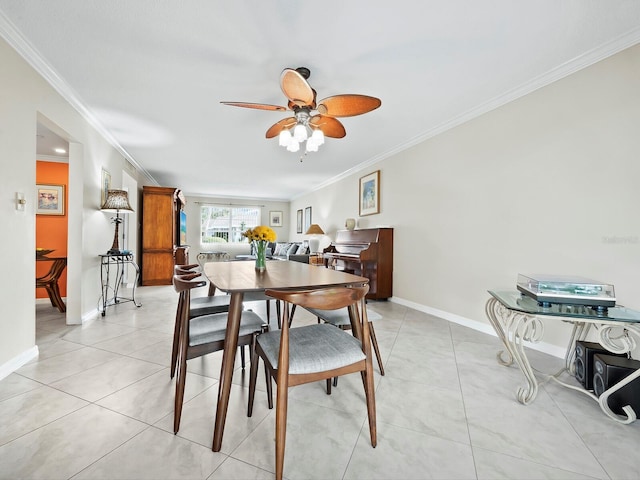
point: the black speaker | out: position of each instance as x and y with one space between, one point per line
584 361
609 370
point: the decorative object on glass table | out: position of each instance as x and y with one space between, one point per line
548 289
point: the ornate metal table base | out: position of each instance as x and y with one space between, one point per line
117 261
516 327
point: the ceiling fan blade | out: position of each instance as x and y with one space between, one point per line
277 127
348 105
259 106
329 126
296 88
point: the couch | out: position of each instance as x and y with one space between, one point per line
293 251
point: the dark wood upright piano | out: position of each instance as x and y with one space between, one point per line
367 252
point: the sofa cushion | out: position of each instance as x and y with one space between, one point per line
302 250
281 249
293 248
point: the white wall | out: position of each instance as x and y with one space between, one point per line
25 99
544 184
193 223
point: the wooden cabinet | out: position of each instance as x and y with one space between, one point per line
160 222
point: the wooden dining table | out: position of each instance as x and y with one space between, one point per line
239 277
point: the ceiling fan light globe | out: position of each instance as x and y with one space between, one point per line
312 146
284 138
318 136
293 146
300 133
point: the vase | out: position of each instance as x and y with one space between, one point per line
260 248
350 223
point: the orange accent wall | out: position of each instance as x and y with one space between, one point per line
51 230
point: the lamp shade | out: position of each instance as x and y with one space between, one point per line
116 200
314 229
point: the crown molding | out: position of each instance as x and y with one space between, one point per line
570 67
29 53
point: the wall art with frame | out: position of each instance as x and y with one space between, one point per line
369 198
299 221
50 199
105 185
275 219
307 218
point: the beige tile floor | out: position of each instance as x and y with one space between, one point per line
98 404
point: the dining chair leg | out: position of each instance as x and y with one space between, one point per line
176 337
374 343
281 426
253 373
180 382
328 386
242 356
371 403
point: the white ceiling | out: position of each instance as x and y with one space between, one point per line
151 74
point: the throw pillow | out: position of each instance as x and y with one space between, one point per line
302 250
292 249
281 249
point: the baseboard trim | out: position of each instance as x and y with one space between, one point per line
543 347
16 362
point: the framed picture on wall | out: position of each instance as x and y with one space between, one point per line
369 198
105 186
50 199
299 222
275 219
307 218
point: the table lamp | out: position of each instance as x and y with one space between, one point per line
314 242
116 201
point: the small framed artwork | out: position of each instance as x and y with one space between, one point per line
369 198
275 219
307 218
105 186
299 223
50 199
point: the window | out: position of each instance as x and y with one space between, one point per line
220 224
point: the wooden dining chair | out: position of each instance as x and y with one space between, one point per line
49 282
294 356
340 318
198 306
202 335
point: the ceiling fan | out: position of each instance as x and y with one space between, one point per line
305 125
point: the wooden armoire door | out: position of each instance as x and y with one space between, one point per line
159 211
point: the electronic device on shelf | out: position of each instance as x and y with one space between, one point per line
548 289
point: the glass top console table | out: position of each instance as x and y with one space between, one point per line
113 266
516 319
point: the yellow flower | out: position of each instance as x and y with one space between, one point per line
261 232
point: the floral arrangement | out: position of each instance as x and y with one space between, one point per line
260 236
261 232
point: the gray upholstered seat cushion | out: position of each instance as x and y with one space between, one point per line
208 305
313 348
255 296
341 316
212 328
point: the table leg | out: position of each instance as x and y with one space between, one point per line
514 328
226 371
